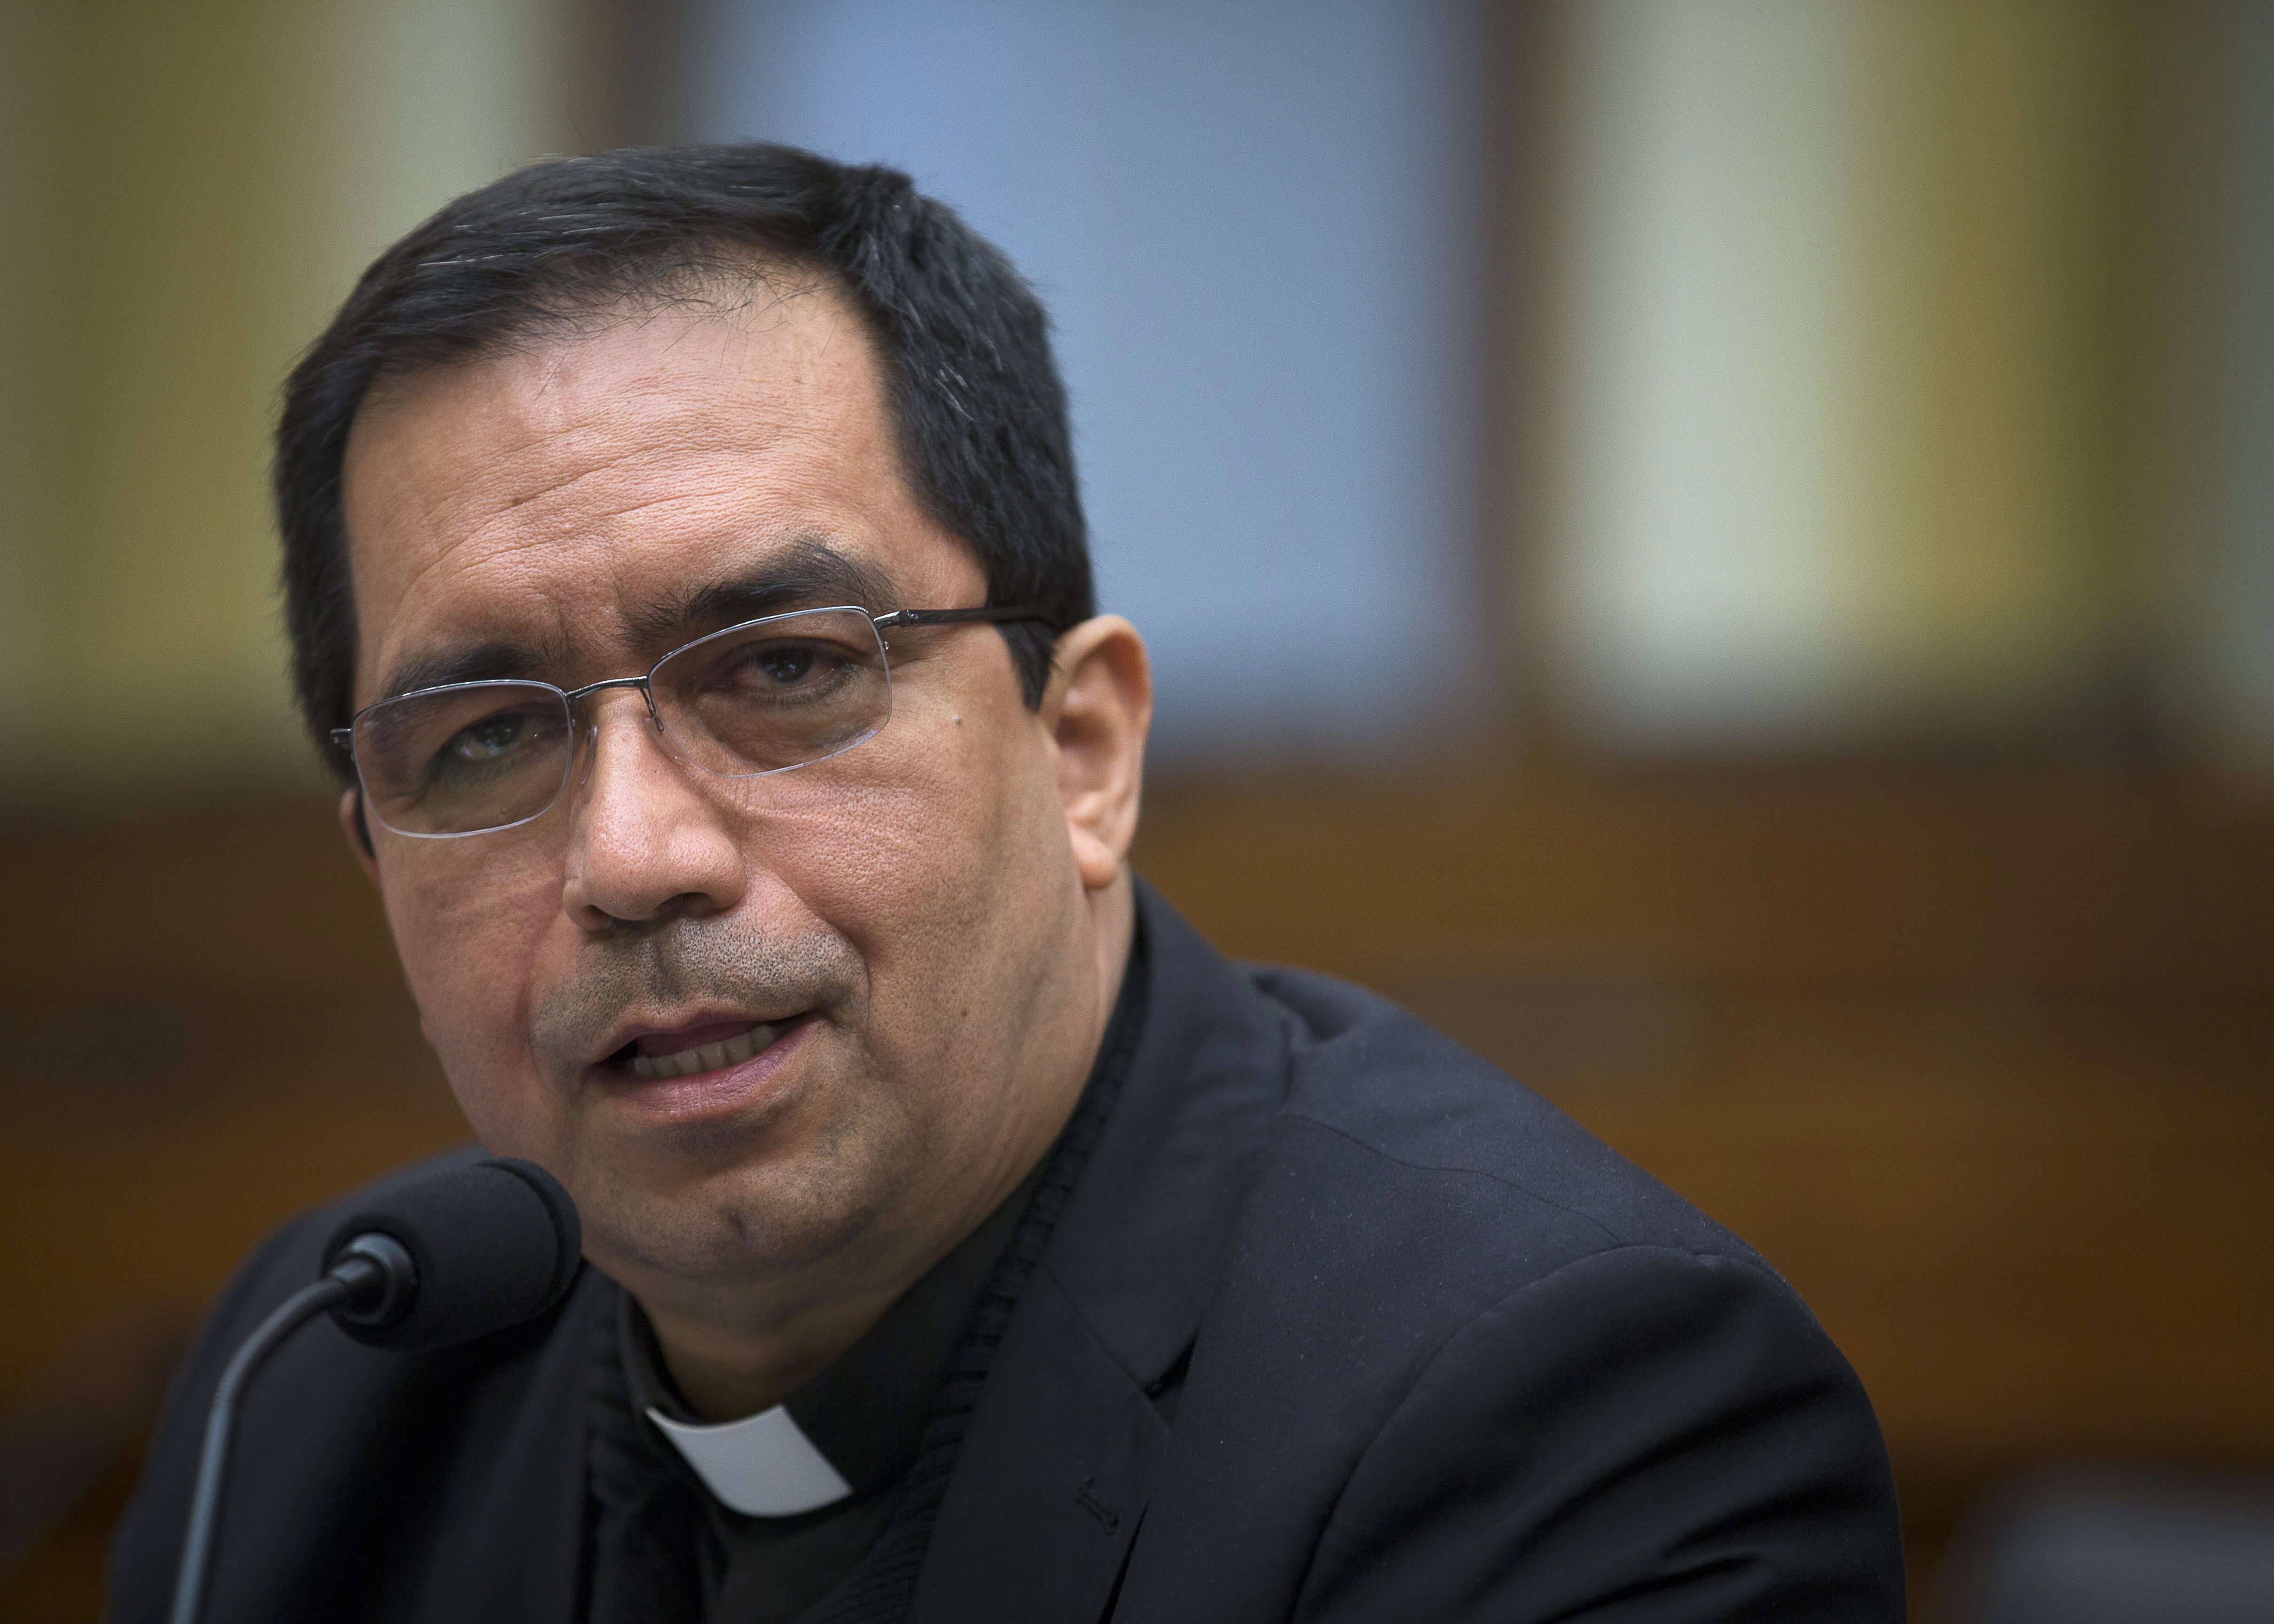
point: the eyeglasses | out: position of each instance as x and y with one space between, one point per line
783 691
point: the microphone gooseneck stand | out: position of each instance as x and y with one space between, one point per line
430 1261
374 1271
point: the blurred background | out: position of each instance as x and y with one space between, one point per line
1721 550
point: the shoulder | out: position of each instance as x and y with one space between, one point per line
1407 1192
1494 1369
1383 1103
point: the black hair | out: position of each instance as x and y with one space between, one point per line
975 394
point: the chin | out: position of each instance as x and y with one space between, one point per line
747 1220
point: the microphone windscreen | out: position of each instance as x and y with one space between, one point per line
494 1245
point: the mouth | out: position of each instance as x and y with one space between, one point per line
691 1052
708 1070
697 1049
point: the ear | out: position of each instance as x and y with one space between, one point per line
1099 709
353 825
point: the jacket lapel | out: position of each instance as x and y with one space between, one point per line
1051 1480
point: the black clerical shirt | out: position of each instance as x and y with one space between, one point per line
662 1547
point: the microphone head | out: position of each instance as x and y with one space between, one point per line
491 1246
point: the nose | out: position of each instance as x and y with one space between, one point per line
645 842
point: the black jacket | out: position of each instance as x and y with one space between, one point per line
1435 1353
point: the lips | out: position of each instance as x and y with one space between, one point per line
698 1047
697 1058
705 1074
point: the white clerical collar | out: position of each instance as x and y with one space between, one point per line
761 1466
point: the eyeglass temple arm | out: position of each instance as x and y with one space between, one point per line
946 616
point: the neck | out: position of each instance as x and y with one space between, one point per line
730 1366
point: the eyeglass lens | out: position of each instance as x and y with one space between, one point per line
766 697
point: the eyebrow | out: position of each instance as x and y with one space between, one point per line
803 573
487 662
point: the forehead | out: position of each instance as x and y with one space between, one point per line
553 498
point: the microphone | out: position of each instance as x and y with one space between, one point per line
428 1263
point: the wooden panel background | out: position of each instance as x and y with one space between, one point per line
1984 1062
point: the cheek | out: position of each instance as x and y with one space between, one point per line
940 861
471 936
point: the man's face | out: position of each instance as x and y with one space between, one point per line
898 930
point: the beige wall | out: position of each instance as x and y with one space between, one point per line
188 191
1894 386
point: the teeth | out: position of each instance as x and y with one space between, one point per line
705 1057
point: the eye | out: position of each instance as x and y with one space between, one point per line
787 663
781 667
490 738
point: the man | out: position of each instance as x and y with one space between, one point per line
966 1240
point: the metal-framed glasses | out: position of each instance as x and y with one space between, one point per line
782 691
